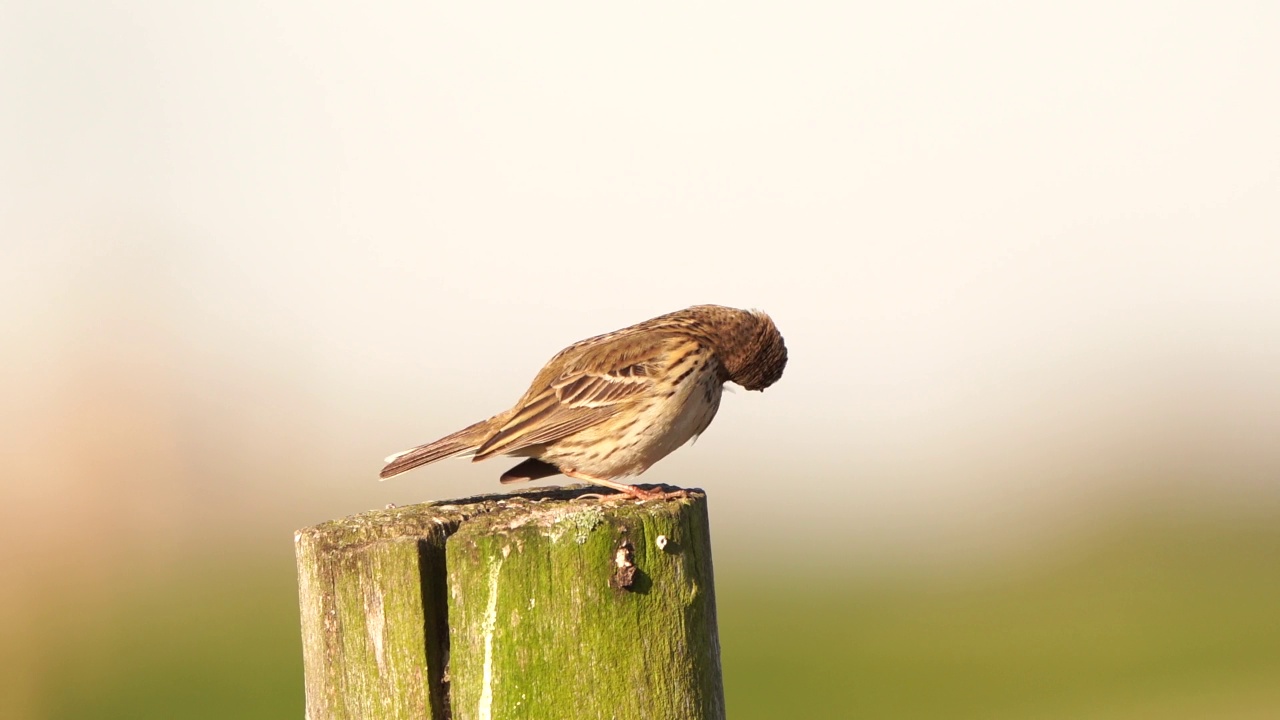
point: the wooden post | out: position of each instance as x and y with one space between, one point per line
539 604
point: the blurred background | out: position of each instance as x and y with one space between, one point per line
1024 461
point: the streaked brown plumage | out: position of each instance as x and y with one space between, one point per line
611 406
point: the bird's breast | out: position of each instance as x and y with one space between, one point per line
654 427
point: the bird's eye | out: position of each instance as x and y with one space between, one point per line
636 370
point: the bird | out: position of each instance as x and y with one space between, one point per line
611 406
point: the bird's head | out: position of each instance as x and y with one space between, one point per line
747 343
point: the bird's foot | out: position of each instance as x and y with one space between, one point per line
633 491
662 492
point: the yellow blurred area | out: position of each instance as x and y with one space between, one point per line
1023 462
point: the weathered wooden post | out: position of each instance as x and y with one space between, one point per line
542 604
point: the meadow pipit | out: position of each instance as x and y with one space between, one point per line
610 406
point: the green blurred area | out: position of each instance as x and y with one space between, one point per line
1171 620
1147 621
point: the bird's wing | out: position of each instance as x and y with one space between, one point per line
600 382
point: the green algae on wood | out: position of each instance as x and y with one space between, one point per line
542 605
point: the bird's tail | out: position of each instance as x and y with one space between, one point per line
459 443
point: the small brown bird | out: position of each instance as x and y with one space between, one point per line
610 406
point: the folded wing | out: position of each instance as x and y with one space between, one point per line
599 385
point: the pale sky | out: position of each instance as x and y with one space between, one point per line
1025 257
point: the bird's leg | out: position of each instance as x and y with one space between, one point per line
632 490
624 488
